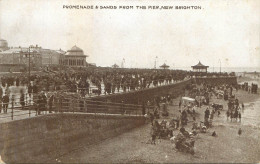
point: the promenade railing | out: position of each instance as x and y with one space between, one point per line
33 106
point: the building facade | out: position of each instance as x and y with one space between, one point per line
52 57
21 56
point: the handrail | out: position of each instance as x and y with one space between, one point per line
82 105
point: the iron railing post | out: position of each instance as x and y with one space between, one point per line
12 113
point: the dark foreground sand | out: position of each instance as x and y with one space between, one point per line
132 147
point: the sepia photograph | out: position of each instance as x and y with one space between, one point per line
129 81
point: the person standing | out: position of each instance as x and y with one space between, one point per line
22 100
239 116
193 113
180 104
30 89
206 116
1 92
1 105
50 102
143 109
81 104
5 102
39 104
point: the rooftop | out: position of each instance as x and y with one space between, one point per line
75 51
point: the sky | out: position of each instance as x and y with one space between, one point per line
226 31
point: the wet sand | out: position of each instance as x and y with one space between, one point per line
228 146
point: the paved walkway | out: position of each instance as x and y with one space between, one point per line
17 115
22 114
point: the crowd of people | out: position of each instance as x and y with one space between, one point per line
83 82
249 88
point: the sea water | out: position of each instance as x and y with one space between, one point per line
251 114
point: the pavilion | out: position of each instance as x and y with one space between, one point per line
164 66
75 57
199 68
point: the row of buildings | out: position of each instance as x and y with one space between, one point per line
18 58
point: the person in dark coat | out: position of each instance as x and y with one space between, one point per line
1 105
207 113
30 89
35 89
39 104
1 92
50 102
81 104
22 102
44 101
5 102
143 108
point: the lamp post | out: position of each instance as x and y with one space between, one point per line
123 62
30 63
155 62
219 65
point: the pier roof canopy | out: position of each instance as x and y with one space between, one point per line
164 66
199 66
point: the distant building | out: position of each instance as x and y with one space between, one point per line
52 57
3 45
20 56
75 57
91 65
115 66
16 58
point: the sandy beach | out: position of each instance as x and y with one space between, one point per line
227 147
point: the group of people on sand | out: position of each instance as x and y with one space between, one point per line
187 113
234 110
